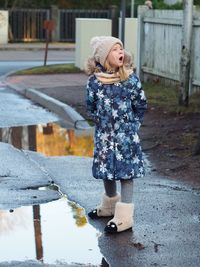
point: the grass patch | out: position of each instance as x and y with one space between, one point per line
50 69
167 98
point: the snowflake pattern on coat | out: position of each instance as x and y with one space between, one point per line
118 111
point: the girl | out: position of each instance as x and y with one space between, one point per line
117 103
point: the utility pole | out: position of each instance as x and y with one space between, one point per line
185 81
132 8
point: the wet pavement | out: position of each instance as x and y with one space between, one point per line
167 219
16 110
69 218
167 212
39 233
52 235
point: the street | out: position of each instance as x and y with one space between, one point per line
13 60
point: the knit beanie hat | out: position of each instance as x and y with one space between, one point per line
101 46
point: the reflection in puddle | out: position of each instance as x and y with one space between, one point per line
53 140
50 139
56 231
16 235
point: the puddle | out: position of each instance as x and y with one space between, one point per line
50 139
62 234
60 231
53 232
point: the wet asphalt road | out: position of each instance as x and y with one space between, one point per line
167 212
167 220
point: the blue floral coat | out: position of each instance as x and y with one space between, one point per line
118 111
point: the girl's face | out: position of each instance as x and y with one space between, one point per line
116 56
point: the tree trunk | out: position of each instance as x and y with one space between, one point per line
10 33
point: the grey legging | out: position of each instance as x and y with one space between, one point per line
126 189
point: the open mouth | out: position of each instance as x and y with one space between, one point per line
121 58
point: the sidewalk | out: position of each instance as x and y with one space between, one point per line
22 82
66 88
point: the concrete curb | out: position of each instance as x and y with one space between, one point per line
3 79
63 110
70 116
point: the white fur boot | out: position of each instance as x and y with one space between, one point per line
123 218
106 208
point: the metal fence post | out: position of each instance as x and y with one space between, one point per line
123 16
185 81
114 18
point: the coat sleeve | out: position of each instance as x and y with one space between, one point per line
90 99
139 104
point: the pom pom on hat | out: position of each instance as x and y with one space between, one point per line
101 46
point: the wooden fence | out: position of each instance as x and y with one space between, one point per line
159 45
27 24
